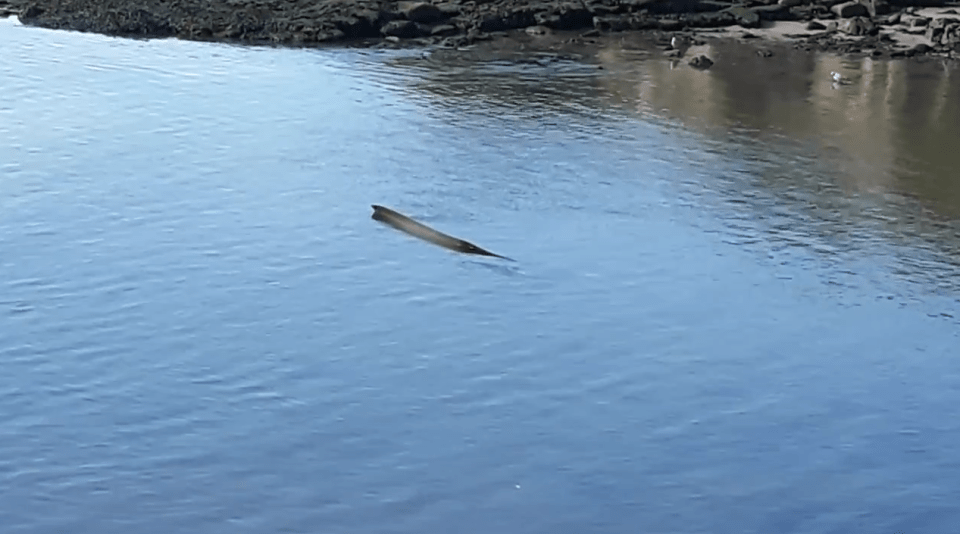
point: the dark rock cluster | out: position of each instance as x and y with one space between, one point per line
845 26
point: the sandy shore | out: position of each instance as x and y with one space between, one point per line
870 27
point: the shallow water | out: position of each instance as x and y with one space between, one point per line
735 307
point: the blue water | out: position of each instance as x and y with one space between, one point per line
202 330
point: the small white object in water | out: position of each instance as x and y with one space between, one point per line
679 41
836 76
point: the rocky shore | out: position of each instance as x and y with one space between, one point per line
880 28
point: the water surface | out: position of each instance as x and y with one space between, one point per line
735 307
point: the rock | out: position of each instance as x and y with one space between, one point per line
510 20
944 22
951 36
664 7
919 21
611 24
538 30
832 26
465 21
764 53
920 48
566 17
32 11
709 6
857 26
850 9
421 12
443 29
403 29
360 25
876 7
701 62
745 17
716 19
892 20
914 4
771 12
669 25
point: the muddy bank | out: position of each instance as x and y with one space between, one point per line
879 28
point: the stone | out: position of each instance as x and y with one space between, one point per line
709 6
914 4
464 21
857 26
745 17
443 29
701 62
449 9
944 22
850 9
716 19
892 20
611 24
669 25
538 30
919 21
771 12
403 29
951 36
421 12
565 17
32 11
360 25
507 21
876 7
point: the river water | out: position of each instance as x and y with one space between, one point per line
735 306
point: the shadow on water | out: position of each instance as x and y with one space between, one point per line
842 172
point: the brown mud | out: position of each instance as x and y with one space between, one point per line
877 28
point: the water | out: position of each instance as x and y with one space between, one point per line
724 318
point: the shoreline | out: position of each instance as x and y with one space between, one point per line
874 28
